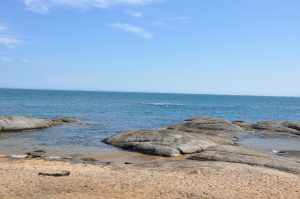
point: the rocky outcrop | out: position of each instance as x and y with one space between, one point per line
278 126
194 135
9 123
210 139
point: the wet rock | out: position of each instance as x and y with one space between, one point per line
64 120
36 154
278 126
17 123
55 174
290 154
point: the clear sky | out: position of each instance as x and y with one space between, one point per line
190 46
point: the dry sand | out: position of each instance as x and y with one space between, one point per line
148 178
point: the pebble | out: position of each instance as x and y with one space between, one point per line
88 159
195 172
128 163
55 174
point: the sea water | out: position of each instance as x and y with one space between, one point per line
104 114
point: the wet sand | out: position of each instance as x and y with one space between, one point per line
147 177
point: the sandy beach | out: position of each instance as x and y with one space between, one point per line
151 179
197 159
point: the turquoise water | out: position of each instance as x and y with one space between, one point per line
107 113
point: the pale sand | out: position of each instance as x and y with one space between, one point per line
153 178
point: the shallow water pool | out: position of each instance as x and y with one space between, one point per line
271 144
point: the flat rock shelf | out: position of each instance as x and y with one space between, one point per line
212 139
19 123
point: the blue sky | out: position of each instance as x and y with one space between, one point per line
194 46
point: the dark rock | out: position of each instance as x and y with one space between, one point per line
36 154
55 174
64 120
291 154
128 163
39 151
88 159
67 158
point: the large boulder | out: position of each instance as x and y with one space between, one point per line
192 136
162 142
17 123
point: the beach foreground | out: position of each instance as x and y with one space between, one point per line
158 178
199 158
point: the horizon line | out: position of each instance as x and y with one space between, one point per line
146 92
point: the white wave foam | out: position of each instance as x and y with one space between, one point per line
162 104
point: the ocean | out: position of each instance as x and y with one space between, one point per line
104 114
